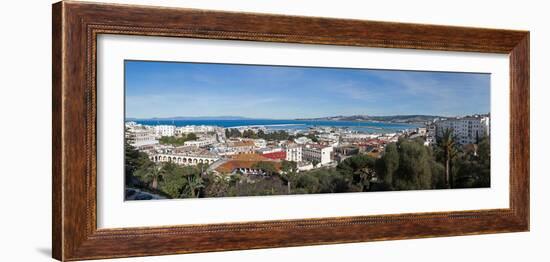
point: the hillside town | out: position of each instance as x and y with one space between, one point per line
224 153
257 151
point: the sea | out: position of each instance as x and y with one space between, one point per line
289 125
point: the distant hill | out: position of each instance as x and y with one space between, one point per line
392 119
358 118
191 118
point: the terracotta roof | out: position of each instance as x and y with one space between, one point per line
275 155
249 157
244 161
242 143
231 165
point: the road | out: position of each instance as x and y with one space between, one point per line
137 194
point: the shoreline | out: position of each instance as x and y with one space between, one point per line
367 127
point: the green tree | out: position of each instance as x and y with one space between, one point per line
216 185
289 169
289 166
332 181
438 175
133 160
275 135
232 132
177 141
150 174
361 168
307 183
414 171
261 134
447 145
388 164
272 185
484 154
267 167
472 168
173 180
249 134
191 137
313 137
194 185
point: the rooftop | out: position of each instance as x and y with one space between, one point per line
241 143
245 161
249 157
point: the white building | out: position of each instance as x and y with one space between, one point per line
185 130
260 143
234 148
195 129
204 129
293 153
304 166
355 137
184 159
430 134
302 140
200 142
131 124
165 130
183 155
317 153
141 137
467 130
329 136
421 131
269 150
389 137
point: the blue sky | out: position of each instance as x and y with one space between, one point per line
168 89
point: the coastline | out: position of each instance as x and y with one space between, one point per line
291 124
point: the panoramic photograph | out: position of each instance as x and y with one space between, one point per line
207 130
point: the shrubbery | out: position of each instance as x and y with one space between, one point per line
177 140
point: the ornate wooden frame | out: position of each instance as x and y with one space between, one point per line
76 26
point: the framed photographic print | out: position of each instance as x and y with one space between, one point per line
181 130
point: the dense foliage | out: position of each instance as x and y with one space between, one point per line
473 169
277 135
177 140
133 161
409 165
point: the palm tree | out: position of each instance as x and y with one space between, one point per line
448 145
288 171
193 186
151 174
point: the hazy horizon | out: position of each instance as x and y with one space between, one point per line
255 118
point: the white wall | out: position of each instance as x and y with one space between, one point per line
25 87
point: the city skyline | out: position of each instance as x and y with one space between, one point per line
174 89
